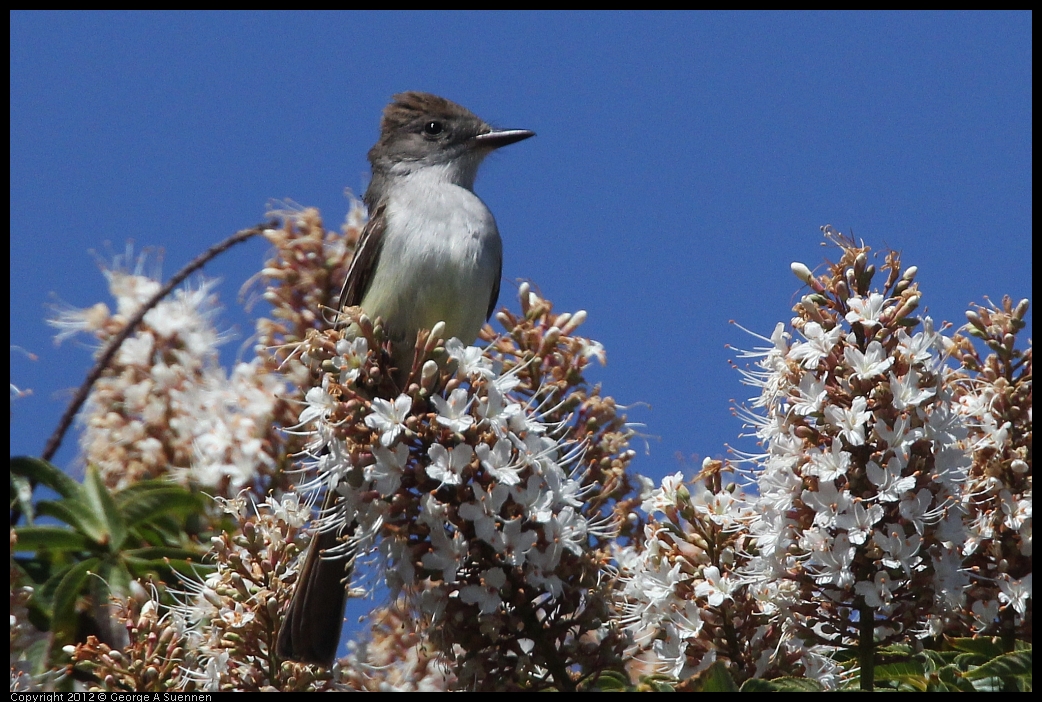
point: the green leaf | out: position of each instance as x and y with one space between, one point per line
77 515
51 538
1008 665
114 579
159 553
989 647
786 684
144 503
102 503
911 673
612 681
66 594
37 655
954 680
717 678
47 474
938 659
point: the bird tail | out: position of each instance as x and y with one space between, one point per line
310 630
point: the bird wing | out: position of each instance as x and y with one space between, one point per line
495 288
363 265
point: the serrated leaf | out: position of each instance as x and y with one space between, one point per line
911 673
790 684
37 655
989 647
112 580
951 676
116 578
1008 665
153 553
940 658
989 684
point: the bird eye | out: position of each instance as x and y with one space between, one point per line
433 128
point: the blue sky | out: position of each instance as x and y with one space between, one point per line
682 162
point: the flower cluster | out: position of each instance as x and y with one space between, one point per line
996 404
892 496
164 406
219 633
300 280
485 489
859 483
685 600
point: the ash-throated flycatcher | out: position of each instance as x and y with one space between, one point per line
429 253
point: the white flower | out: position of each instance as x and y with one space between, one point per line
832 562
484 510
907 392
498 410
877 593
665 497
452 413
388 418
868 364
1016 592
851 422
592 349
515 542
486 595
866 310
918 349
497 461
471 359
818 345
715 588
901 552
811 395
828 465
858 521
387 473
447 555
827 503
915 508
888 481
535 498
985 613
447 464
350 359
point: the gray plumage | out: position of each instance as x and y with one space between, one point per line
430 253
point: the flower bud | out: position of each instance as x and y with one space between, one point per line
801 271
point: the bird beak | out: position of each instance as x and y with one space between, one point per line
495 139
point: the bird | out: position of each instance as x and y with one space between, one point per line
430 252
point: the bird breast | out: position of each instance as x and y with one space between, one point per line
440 255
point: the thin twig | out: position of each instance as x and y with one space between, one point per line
54 442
